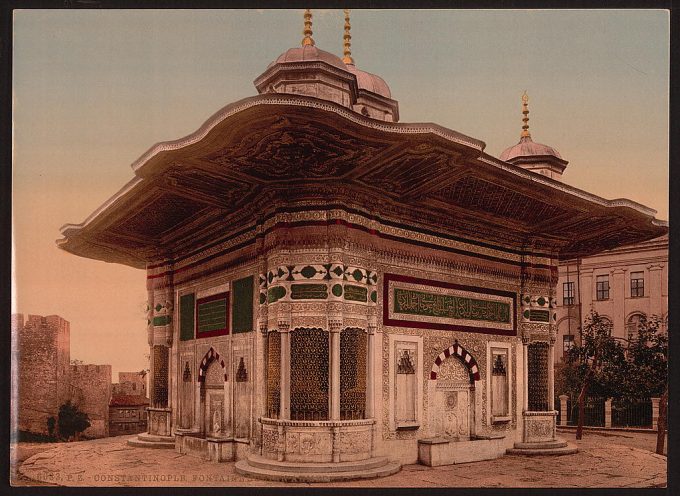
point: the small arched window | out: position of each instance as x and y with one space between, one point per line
632 325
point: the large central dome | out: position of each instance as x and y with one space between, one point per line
308 53
310 71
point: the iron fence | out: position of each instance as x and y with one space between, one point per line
632 413
593 412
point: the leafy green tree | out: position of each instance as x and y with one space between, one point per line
601 365
647 370
594 366
71 420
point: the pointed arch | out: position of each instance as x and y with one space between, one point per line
208 358
461 354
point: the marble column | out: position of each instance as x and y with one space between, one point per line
370 371
525 362
551 375
334 327
284 406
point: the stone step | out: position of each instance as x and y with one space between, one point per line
151 444
558 443
144 436
244 468
269 464
569 449
145 440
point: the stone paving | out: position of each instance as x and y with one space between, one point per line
602 461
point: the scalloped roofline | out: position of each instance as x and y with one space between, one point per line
539 178
390 127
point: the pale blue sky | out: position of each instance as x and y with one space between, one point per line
95 89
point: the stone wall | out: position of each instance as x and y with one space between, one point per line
41 363
91 392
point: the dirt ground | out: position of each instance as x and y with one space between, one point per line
604 459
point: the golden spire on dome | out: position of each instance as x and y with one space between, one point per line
525 119
347 59
307 40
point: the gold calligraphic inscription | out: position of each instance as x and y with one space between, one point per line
408 301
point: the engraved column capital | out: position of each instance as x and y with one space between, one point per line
283 325
372 324
335 323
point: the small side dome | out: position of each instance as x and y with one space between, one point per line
528 148
309 53
370 82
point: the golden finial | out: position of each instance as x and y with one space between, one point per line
525 119
347 59
307 40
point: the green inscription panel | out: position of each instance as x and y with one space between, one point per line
212 315
161 320
308 292
242 305
539 316
355 293
407 301
186 316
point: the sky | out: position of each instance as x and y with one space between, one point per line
94 89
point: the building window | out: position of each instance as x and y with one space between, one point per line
632 326
568 289
637 284
500 406
602 287
567 342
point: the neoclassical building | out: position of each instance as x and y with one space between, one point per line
332 292
623 285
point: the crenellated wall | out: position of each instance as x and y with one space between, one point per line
46 379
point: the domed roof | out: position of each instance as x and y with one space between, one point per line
528 148
370 82
309 53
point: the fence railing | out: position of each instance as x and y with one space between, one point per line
637 413
593 412
599 412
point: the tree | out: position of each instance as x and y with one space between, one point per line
647 370
601 365
595 364
71 420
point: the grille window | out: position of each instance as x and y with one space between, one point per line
602 287
637 284
568 289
